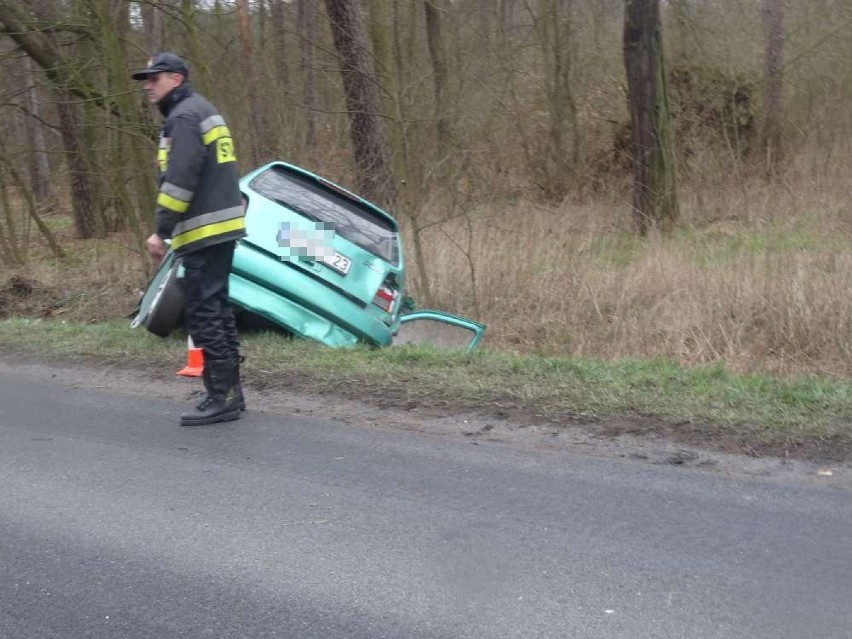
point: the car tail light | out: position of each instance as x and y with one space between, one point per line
386 295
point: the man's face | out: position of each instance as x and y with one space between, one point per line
158 85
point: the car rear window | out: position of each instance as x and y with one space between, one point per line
351 219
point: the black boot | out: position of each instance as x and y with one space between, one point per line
221 404
238 387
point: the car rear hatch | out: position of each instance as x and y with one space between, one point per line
326 234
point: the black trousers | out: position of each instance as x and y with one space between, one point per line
209 317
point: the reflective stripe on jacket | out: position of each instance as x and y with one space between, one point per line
199 201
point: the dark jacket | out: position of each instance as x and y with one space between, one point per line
199 202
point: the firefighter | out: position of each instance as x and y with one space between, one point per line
199 207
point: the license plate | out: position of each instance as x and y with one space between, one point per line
338 262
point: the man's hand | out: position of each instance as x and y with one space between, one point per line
156 248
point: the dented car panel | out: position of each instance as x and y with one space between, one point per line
285 294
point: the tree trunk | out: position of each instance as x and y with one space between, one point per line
282 69
39 166
435 10
30 205
306 19
408 171
151 20
126 181
362 100
120 17
383 29
381 36
82 199
554 26
261 25
488 13
655 200
43 49
773 105
247 63
200 76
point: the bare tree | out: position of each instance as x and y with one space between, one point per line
37 37
276 11
8 244
435 11
375 176
383 28
655 200
39 166
773 106
307 24
190 36
152 21
554 28
125 172
247 64
28 31
381 37
82 195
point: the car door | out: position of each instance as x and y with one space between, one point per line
438 328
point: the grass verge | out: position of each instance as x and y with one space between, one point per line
802 416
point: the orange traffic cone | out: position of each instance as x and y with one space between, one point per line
194 361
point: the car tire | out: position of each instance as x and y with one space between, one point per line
166 312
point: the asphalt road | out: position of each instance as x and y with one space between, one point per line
115 522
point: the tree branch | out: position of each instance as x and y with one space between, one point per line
44 52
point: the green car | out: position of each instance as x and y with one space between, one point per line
318 261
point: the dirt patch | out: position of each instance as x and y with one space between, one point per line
835 447
24 297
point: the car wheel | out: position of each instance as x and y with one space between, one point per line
166 312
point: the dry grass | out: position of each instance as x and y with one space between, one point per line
758 276
95 280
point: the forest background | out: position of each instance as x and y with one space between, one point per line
506 132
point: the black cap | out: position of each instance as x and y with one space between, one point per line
163 62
